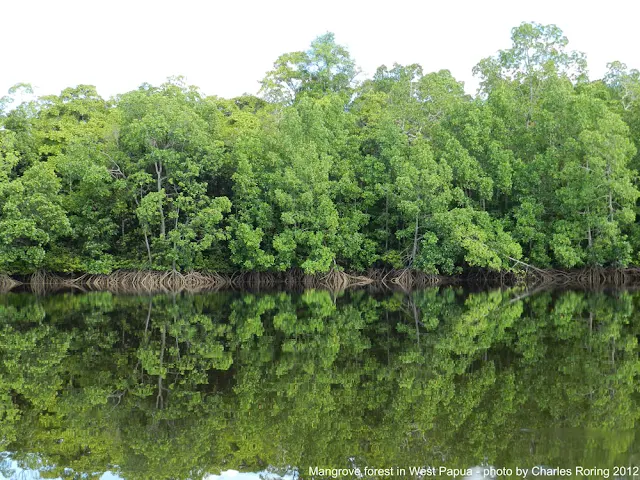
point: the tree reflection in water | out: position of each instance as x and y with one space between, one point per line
181 386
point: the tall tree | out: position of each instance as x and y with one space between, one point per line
325 68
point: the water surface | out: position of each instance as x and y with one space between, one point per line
183 386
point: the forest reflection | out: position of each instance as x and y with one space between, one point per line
181 386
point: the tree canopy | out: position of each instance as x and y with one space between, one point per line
329 171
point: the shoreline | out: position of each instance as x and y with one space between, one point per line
149 281
144 281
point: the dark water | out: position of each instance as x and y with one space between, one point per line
182 386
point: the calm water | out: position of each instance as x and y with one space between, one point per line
186 386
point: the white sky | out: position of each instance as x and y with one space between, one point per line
225 47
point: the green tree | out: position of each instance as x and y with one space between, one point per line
323 69
169 151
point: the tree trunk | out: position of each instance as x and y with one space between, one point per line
144 230
386 223
610 207
415 242
589 236
158 166
146 242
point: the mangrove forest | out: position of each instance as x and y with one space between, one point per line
325 170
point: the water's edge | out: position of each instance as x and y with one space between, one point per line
125 281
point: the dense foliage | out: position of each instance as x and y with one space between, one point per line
326 172
174 386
